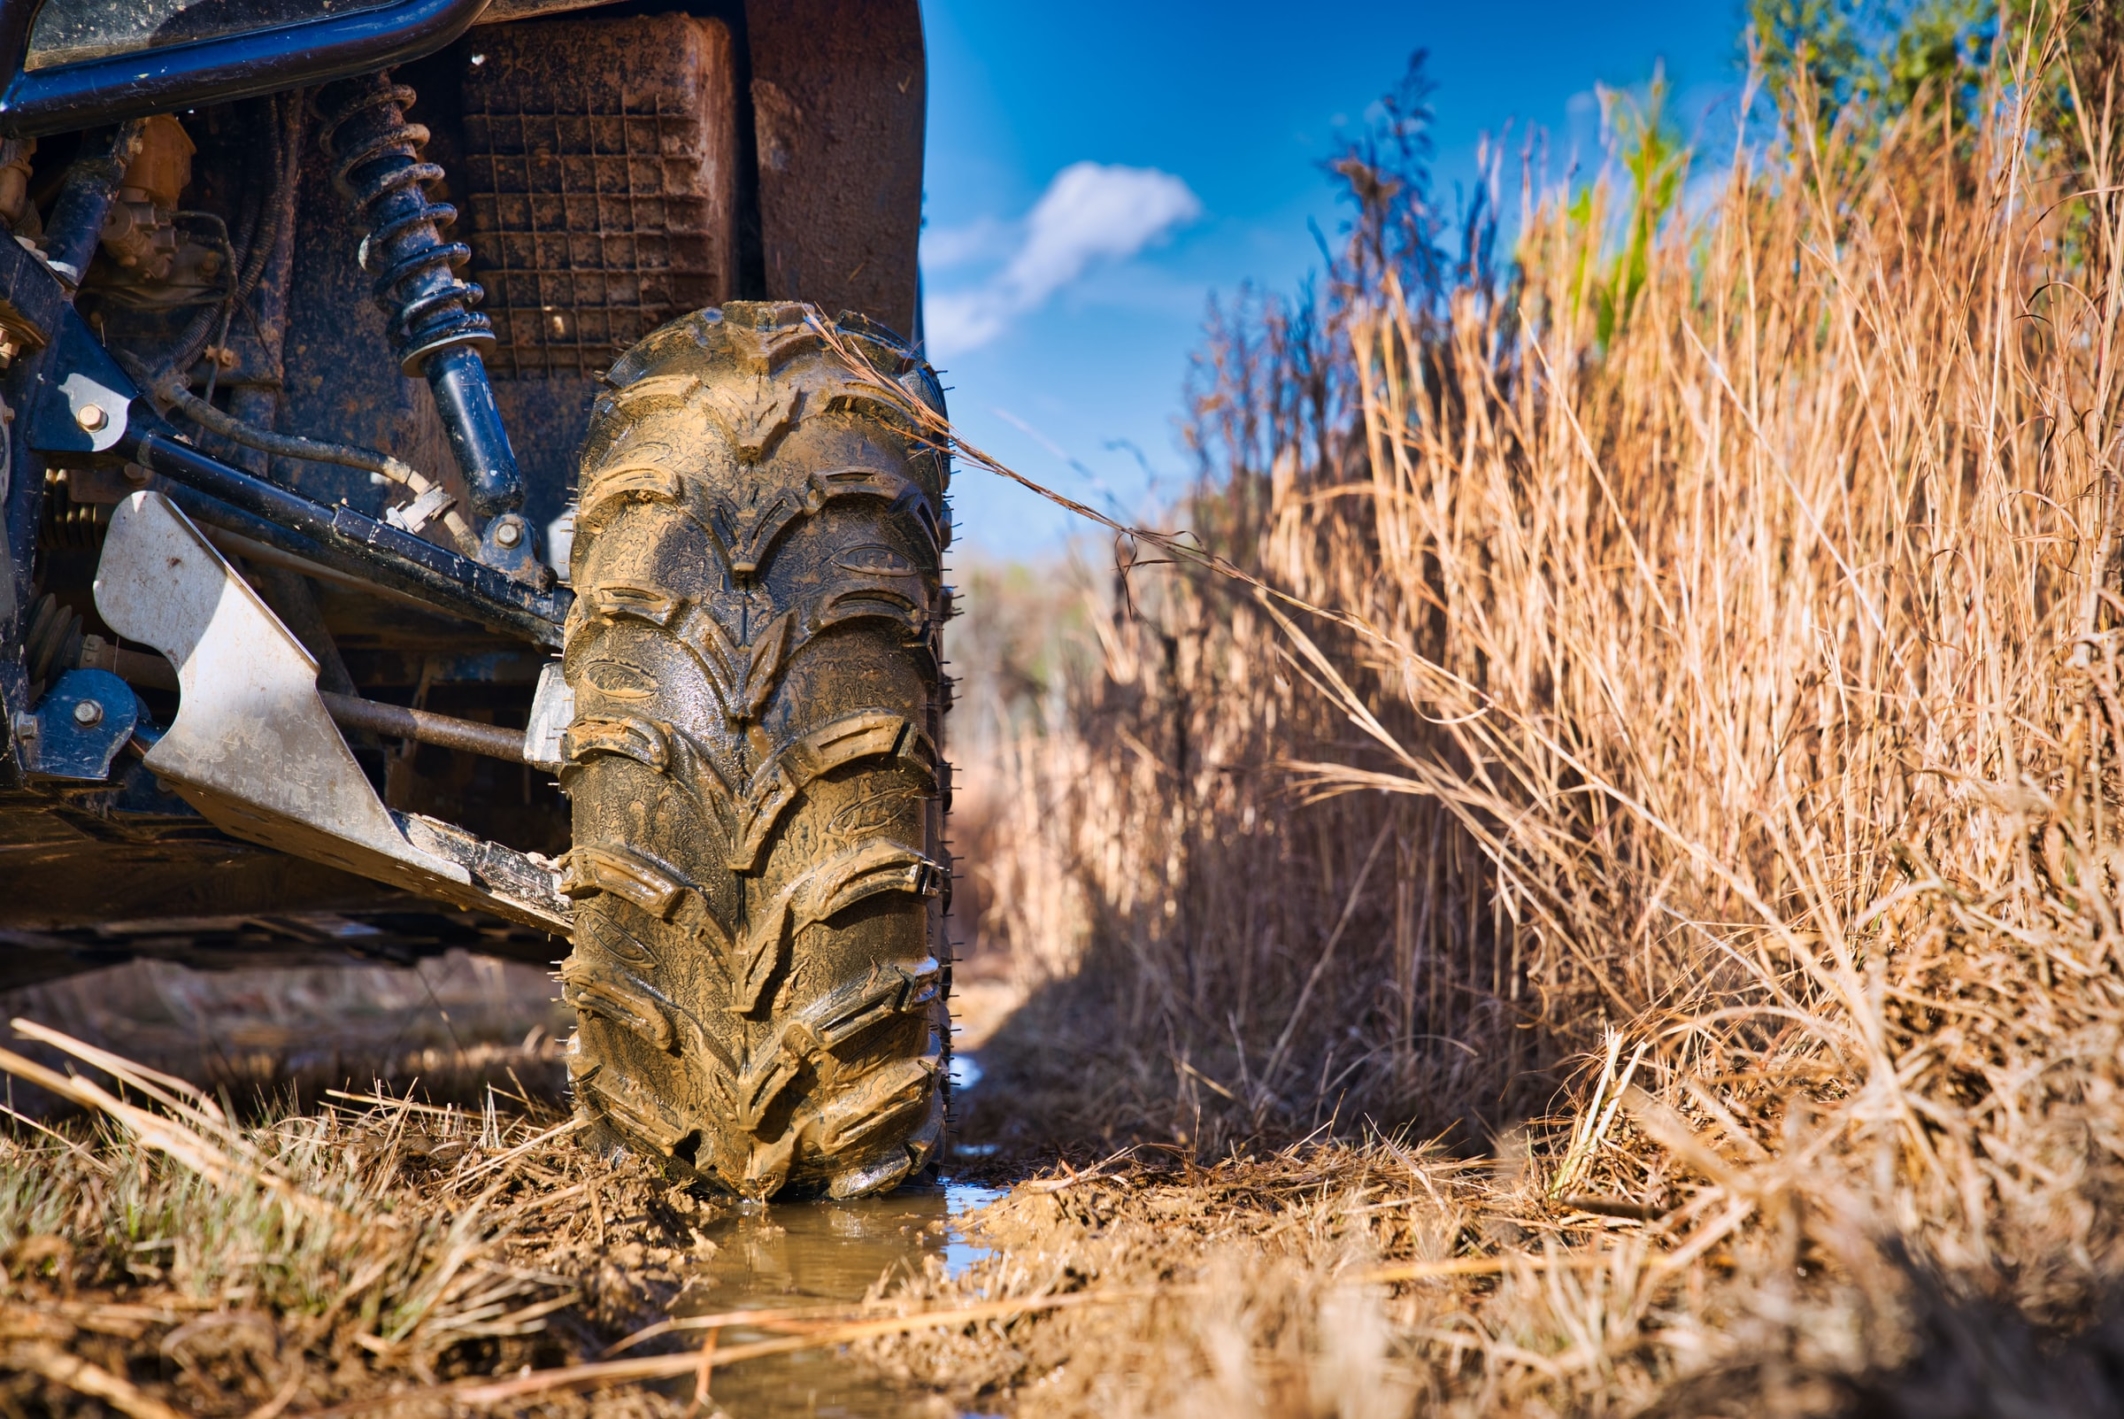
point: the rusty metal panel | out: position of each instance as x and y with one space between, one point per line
839 93
600 161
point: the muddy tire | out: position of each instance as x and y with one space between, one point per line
759 971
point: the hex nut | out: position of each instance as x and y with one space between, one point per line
87 712
508 534
91 417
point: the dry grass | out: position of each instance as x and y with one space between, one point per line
1373 1279
1685 759
170 1259
1344 1280
1670 759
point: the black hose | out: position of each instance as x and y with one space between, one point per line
259 224
172 393
84 201
200 328
199 411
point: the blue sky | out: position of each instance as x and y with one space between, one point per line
1096 170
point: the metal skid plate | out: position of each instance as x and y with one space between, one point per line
253 747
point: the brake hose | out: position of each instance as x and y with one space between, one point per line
171 391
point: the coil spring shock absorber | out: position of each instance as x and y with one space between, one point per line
429 310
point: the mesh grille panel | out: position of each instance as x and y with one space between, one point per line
598 164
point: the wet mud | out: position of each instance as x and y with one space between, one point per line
780 1256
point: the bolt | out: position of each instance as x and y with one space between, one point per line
87 712
508 534
91 417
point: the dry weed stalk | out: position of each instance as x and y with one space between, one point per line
1732 691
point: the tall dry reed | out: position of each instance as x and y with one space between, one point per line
1705 668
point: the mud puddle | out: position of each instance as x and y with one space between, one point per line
821 1253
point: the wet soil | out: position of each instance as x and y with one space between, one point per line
639 1254
783 1255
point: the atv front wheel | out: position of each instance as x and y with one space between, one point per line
758 970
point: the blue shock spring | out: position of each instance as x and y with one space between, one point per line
430 311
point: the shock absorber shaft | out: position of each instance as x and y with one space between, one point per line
434 327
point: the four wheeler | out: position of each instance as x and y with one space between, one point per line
442 509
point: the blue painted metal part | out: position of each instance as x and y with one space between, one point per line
235 66
337 536
82 724
506 544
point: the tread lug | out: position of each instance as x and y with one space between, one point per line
591 870
757 964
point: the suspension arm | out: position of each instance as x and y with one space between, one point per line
86 407
451 582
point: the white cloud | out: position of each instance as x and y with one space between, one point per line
985 239
1089 213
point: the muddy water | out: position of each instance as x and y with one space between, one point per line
819 1253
